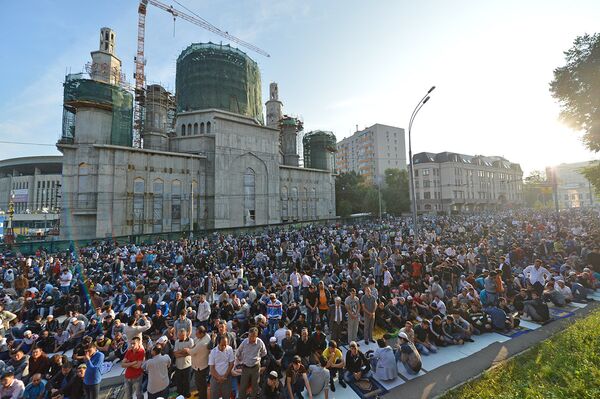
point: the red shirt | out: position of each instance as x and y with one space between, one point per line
133 355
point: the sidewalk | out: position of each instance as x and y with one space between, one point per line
438 381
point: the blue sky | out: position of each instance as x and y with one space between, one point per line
338 64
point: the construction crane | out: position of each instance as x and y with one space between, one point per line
140 62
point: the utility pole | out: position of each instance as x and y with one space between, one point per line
555 189
410 157
379 191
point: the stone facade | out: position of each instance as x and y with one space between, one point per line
218 170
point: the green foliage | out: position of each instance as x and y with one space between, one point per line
537 192
576 86
396 193
592 174
354 195
565 366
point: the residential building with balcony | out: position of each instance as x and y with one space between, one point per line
371 151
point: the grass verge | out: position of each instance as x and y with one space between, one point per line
564 366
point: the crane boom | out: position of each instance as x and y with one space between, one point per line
208 26
140 78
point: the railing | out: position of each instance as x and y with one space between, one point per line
30 247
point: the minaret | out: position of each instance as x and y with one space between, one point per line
274 107
106 67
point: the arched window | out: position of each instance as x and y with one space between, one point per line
284 203
202 128
158 188
83 186
189 129
313 202
294 199
183 129
175 205
195 128
208 127
305 203
249 195
138 205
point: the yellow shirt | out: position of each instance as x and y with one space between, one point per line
337 355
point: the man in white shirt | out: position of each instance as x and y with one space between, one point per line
220 361
564 290
65 281
537 275
387 282
158 373
203 313
295 281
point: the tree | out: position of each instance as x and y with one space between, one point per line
576 86
396 193
537 191
352 194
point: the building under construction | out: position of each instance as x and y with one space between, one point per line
207 159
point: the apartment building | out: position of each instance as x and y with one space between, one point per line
574 190
371 151
453 183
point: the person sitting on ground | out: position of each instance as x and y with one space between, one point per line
408 355
297 379
383 361
535 309
10 386
335 363
357 364
319 378
552 295
273 389
36 389
74 387
19 363
422 338
562 288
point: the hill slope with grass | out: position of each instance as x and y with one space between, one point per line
564 366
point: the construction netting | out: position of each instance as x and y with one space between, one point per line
319 147
80 92
217 76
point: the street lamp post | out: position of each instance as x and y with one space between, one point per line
412 169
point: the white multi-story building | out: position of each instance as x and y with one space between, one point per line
371 151
450 183
574 190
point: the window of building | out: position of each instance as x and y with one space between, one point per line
208 126
196 128
83 186
416 172
202 128
138 205
426 183
175 205
183 129
426 195
284 202
158 188
425 172
249 195
294 202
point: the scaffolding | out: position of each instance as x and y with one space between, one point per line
159 110
218 76
319 148
81 92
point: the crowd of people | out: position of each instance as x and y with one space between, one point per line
266 315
